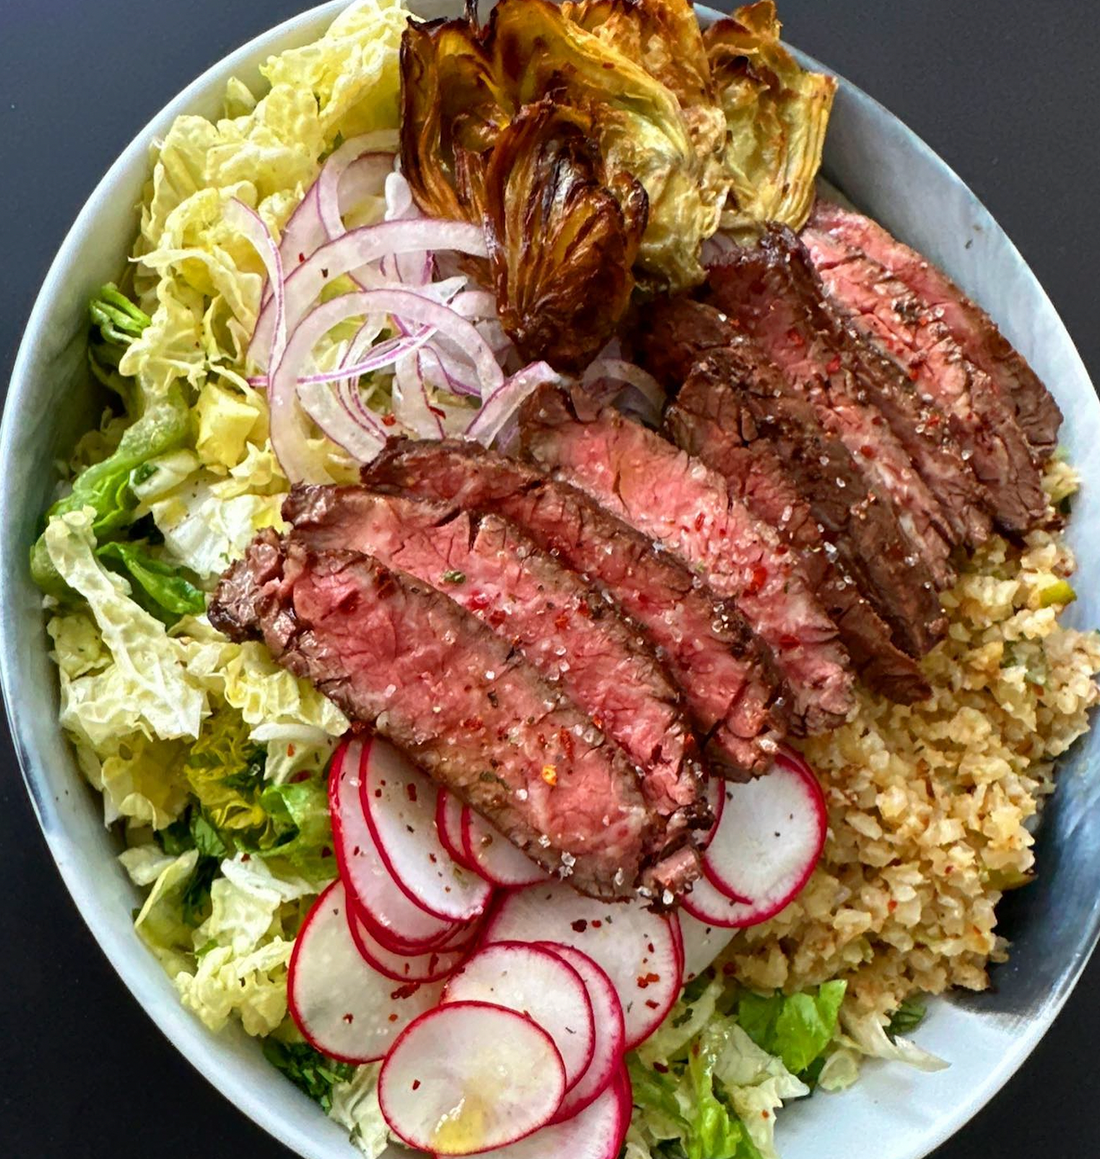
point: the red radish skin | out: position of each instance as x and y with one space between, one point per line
494 856
540 984
342 1005
448 824
707 905
635 947
702 941
595 1132
390 916
432 966
469 1077
610 1043
400 805
767 844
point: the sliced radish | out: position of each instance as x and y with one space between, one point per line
448 824
709 905
716 801
635 947
769 839
494 856
610 1042
540 984
703 942
431 966
399 802
596 1132
341 1004
391 917
468 1077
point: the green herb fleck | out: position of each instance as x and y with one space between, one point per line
308 1069
454 577
908 1016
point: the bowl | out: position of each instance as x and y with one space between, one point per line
1054 924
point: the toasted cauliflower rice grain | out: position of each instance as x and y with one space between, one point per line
932 805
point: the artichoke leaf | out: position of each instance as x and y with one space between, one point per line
561 242
777 114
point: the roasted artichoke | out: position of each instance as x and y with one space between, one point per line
777 114
603 141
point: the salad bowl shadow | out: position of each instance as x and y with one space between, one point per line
887 172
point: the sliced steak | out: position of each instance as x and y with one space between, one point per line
733 694
669 334
660 491
772 292
395 654
571 634
968 324
884 310
740 432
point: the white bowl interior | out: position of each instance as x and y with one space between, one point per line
886 171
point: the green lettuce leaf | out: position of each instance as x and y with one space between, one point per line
355 1106
797 1028
160 588
308 1069
105 487
116 322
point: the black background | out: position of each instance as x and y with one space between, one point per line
1006 90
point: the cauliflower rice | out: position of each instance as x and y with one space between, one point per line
932 806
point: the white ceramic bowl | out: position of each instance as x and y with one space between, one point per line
886 171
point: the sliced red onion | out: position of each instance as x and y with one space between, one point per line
303 233
358 248
384 354
251 226
475 304
628 372
716 247
288 431
503 402
330 412
365 177
411 405
331 191
412 269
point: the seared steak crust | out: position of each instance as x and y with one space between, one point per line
884 310
575 637
649 483
396 654
738 432
732 691
968 324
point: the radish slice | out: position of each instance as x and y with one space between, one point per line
432 966
391 917
448 824
635 947
677 939
470 1076
714 908
594 1133
610 1042
399 802
703 942
493 856
770 837
716 803
341 1004
541 985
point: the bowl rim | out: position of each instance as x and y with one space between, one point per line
183 1030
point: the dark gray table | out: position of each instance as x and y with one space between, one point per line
1007 91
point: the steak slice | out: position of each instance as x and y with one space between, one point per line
770 459
773 293
675 500
575 637
397 655
884 310
733 694
968 324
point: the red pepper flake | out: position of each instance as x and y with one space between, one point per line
795 338
729 969
646 980
389 420
410 789
561 621
478 602
497 617
393 1017
416 1084
439 414
579 926
433 859
566 738
301 257
472 723
406 991
788 641
914 372
700 519
325 851
596 923
649 947
660 1068
759 579
652 1005
891 905
867 451
349 1018
300 776
378 792
246 856
834 364
290 750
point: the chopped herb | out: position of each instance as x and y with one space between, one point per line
908 1016
308 1069
454 577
